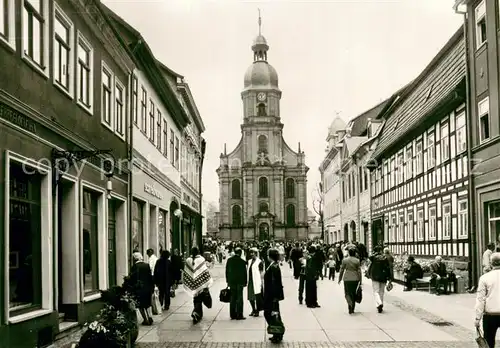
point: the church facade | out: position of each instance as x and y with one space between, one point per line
262 182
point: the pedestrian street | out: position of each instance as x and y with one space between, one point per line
328 326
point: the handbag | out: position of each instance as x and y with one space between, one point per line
155 302
359 294
207 298
276 326
259 301
225 295
389 286
480 340
172 293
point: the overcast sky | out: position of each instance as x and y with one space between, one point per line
331 56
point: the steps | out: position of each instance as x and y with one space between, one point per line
69 331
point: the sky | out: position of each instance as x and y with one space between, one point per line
331 56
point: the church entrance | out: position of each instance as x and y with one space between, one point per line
264 231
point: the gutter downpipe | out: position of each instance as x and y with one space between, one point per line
130 168
472 264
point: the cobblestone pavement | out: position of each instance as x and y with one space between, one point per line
402 324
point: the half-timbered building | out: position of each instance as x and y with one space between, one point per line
419 170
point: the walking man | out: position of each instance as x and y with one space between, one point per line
236 278
380 274
488 301
313 270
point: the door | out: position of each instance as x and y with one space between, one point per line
264 231
60 278
112 242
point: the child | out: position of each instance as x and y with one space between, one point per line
331 267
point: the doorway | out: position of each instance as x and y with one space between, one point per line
264 231
112 206
377 232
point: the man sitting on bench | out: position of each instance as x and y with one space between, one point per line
413 272
439 276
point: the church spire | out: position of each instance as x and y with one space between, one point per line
260 46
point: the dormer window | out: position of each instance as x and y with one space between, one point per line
261 110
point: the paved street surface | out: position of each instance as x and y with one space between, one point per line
404 323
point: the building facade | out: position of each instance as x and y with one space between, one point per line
192 155
263 182
355 148
482 25
419 168
63 118
329 170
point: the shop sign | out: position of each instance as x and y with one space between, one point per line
148 188
17 118
190 201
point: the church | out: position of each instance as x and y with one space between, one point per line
262 182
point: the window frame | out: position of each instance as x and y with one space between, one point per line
177 154
159 119
477 19
165 138
106 70
418 157
135 100
233 190
444 141
289 221
172 137
433 222
9 22
144 110
43 66
261 192
120 86
290 193
152 120
463 231
458 130
82 40
239 209
480 115
431 149
446 221
420 224
410 225
66 22
401 226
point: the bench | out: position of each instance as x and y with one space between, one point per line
423 283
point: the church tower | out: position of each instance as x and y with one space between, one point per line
262 182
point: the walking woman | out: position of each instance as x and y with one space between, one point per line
350 272
273 293
163 278
196 282
142 280
255 272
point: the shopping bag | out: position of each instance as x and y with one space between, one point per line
276 326
481 342
155 302
225 295
359 294
207 298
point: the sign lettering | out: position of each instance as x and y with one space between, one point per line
148 188
16 118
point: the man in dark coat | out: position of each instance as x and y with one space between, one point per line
236 278
295 257
312 272
380 272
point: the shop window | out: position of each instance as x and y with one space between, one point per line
25 281
263 189
137 226
494 221
290 188
290 215
236 215
235 189
162 230
112 206
90 245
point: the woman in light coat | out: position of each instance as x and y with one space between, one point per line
255 269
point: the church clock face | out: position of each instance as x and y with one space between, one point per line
261 96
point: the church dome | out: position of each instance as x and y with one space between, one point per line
261 75
337 124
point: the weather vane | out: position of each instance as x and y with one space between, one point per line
260 22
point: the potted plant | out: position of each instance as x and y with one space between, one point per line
116 325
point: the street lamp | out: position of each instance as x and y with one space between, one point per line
178 214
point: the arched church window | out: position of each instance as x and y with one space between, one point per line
263 207
235 189
262 140
261 110
263 189
290 188
290 215
236 212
